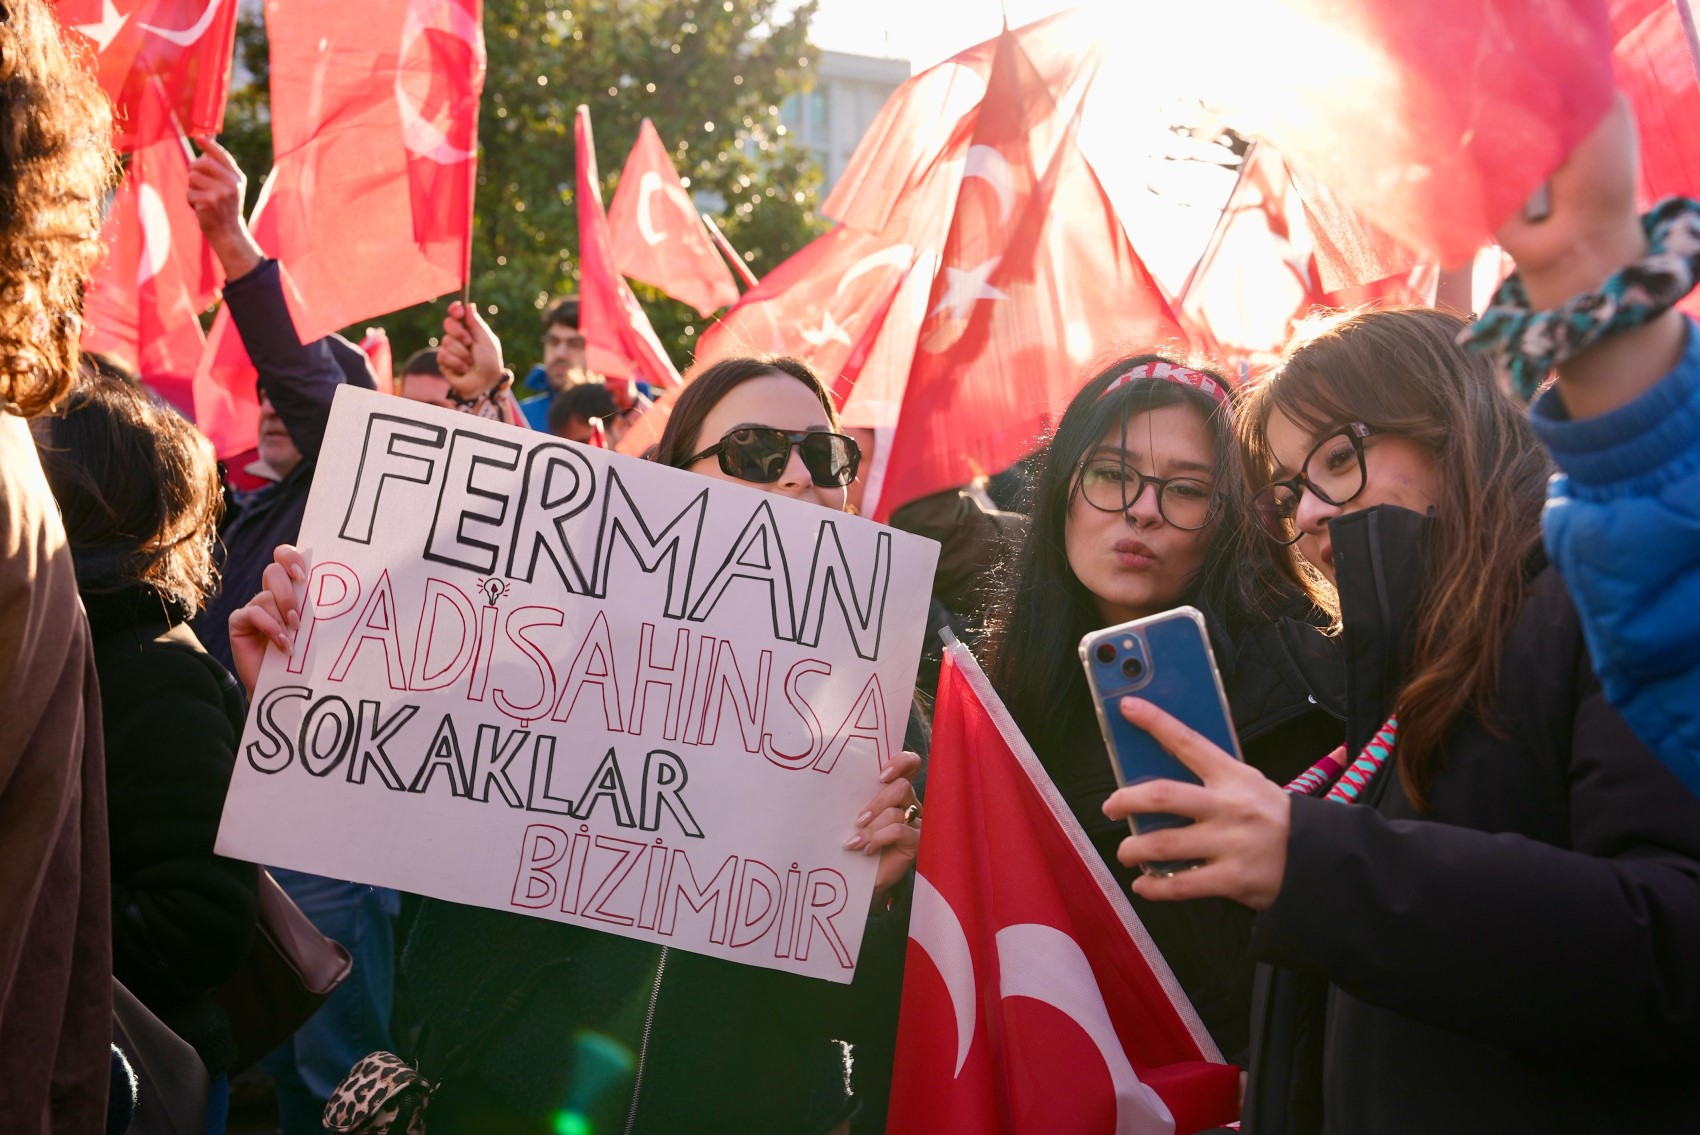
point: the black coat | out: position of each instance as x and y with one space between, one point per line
301 379
182 917
1525 956
1284 724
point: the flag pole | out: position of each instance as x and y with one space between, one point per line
730 253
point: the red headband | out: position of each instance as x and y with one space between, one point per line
1172 372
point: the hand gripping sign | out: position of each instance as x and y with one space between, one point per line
540 677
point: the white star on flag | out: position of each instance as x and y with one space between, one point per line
107 28
965 287
828 332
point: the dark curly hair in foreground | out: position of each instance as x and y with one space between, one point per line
55 166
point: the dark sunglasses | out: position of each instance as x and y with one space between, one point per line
759 454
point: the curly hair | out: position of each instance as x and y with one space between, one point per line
56 164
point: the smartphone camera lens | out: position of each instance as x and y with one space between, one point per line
1106 653
1132 667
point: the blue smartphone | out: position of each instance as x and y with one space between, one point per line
1166 660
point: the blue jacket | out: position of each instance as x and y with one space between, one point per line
1623 526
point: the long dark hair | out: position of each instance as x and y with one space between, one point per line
679 440
138 489
1043 609
1401 371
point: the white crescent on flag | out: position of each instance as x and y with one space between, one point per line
156 233
934 927
649 183
897 256
989 165
418 133
1043 963
186 36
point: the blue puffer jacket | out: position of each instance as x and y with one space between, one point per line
1623 526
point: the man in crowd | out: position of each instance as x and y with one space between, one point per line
563 364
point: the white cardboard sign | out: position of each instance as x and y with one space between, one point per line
540 677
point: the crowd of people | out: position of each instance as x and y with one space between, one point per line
1453 885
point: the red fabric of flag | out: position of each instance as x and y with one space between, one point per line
618 338
1653 55
816 306
374 113
184 45
659 237
227 405
142 305
1437 119
1033 999
1037 279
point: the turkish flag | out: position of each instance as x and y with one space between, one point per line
1438 118
227 403
658 236
1037 280
817 306
1266 266
1034 1001
618 338
183 45
142 305
1653 55
374 121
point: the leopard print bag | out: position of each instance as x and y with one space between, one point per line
381 1095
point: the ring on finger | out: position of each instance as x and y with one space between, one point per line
912 815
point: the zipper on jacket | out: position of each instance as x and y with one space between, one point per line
643 1045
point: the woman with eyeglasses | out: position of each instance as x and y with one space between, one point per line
531 1026
1488 918
1139 508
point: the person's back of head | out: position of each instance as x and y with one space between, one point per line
137 488
55 166
421 380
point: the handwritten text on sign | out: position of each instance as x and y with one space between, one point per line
534 676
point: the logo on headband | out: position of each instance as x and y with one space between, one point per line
1171 372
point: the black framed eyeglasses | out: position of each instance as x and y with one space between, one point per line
1112 485
1334 470
759 454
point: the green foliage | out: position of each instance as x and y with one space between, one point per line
711 74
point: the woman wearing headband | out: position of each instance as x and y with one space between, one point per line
1139 509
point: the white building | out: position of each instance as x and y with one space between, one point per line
829 120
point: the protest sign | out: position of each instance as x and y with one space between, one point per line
536 676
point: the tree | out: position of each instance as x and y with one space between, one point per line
711 74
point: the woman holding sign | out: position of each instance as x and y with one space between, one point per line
1489 921
1138 509
537 1026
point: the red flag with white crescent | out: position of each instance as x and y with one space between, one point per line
1039 1004
142 305
374 117
619 340
185 46
659 237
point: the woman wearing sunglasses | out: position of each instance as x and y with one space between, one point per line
533 1026
1138 509
1489 921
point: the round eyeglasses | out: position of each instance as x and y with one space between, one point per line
1111 485
1334 470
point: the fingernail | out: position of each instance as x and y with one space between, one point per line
294 620
864 818
297 574
869 850
889 772
854 842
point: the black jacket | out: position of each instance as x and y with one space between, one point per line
301 379
182 917
1523 956
1285 723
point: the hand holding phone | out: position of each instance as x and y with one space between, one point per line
1166 660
